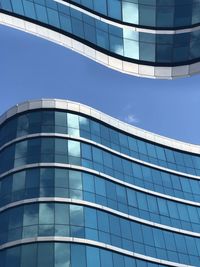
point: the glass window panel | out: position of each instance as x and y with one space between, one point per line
13 257
45 254
29 9
47 177
103 221
53 17
17 7
60 146
76 215
118 260
88 182
100 6
90 218
81 259
61 118
47 146
18 181
130 12
100 186
32 178
95 128
86 151
75 180
93 257
21 149
62 255
61 178
16 218
46 213
74 148
114 225
41 13
29 255
61 213
125 228
97 155
73 121
30 214
106 258
22 125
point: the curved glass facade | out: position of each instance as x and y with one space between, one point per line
146 38
147 13
77 191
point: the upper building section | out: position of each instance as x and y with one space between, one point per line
155 39
31 117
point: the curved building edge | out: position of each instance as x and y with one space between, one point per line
76 107
135 69
92 243
101 208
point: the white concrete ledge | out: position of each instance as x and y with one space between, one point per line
101 175
91 243
110 150
101 117
102 208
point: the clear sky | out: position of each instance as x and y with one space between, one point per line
33 68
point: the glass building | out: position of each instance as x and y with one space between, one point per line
81 189
150 38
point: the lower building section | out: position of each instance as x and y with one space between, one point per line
76 192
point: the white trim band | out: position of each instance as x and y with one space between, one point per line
102 208
102 175
76 107
110 150
92 243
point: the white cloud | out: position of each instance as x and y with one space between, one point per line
130 118
128 114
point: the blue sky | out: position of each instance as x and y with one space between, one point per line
33 68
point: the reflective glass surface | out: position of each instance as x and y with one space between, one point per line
65 255
62 150
58 219
151 13
49 121
92 203
67 183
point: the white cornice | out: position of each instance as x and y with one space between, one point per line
101 117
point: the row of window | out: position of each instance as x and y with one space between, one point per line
59 150
51 121
139 46
50 182
57 219
143 13
67 255
147 13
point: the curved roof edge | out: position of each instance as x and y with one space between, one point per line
100 116
130 68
